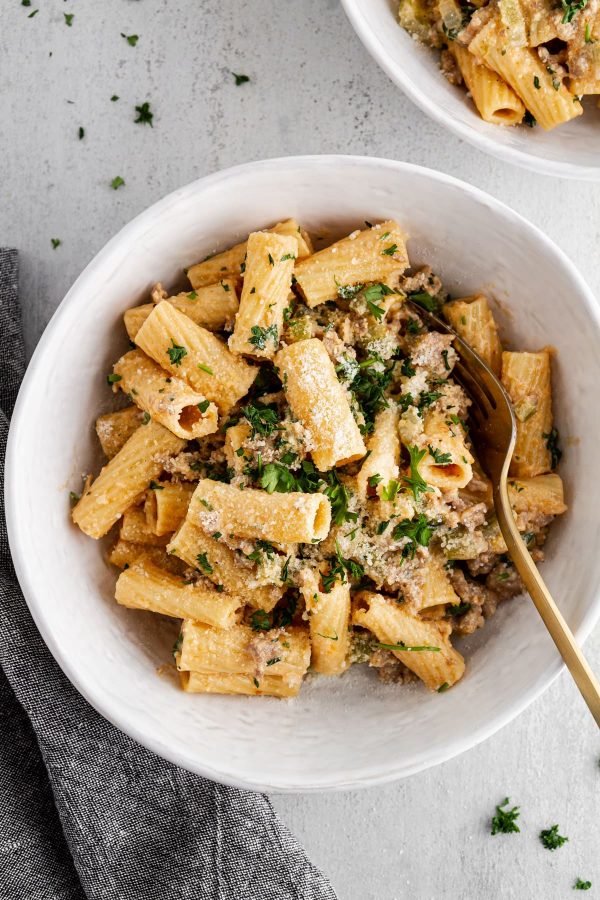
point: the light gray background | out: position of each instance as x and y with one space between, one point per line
314 89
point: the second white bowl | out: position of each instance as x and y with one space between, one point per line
569 151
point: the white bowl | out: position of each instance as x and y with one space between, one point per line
569 151
339 733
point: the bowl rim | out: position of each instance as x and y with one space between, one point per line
393 69
112 712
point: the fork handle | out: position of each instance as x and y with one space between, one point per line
560 632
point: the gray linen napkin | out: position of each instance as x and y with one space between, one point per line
85 812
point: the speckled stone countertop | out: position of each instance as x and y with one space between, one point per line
313 89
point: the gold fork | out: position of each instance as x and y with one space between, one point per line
493 429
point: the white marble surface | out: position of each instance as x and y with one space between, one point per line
313 89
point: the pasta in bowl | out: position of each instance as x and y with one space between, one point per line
337 732
294 480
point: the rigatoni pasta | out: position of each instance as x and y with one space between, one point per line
303 494
524 62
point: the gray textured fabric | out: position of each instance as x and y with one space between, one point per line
85 812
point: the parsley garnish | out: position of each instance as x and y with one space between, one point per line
427 398
402 647
112 378
329 637
262 419
272 662
445 358
382 526
389 251
144 116
340 568
389 490
415 481
73 497
146 418
458 609
117 182
240 79
177 645
114 98
176 353
338 497
203 561
443 687
205 368
81 133
551 839
154 486
422 298
56 242
69 19
374 480
441 459
259 336
536 82
419 532
552 438
571 8
276 477
368 387
192 295
131 39
260 620
271 260
203 405
505 820
582 885
287 256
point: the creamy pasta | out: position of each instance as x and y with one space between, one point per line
295 482
522 61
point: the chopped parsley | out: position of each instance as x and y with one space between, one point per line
415 482
117 182
338 497
459 609
274 661
144 114
259 336
203 405
536 82
445 358
262 419
390 490
552 439
131 39
146 418
505 820
551 839
340 569
205 368
56 242
69 19
176 353
443 687
389 251
240 79
368 388
419 532
581 885
114 98
571 8
193 295
422 298
81 133
277 478
441 459
374 480
260 620
73 497
203 561
154 486
113 378
287 256
402 647
177 645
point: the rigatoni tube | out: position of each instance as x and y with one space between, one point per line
125 477
256 515
196 355
165 398
319 401
267 283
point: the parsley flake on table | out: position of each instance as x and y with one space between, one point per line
551 839
33 13
117 182
131 39
505 820
240 79
581 885
56 242
69 19
114 98
81 133
144 114
203 561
